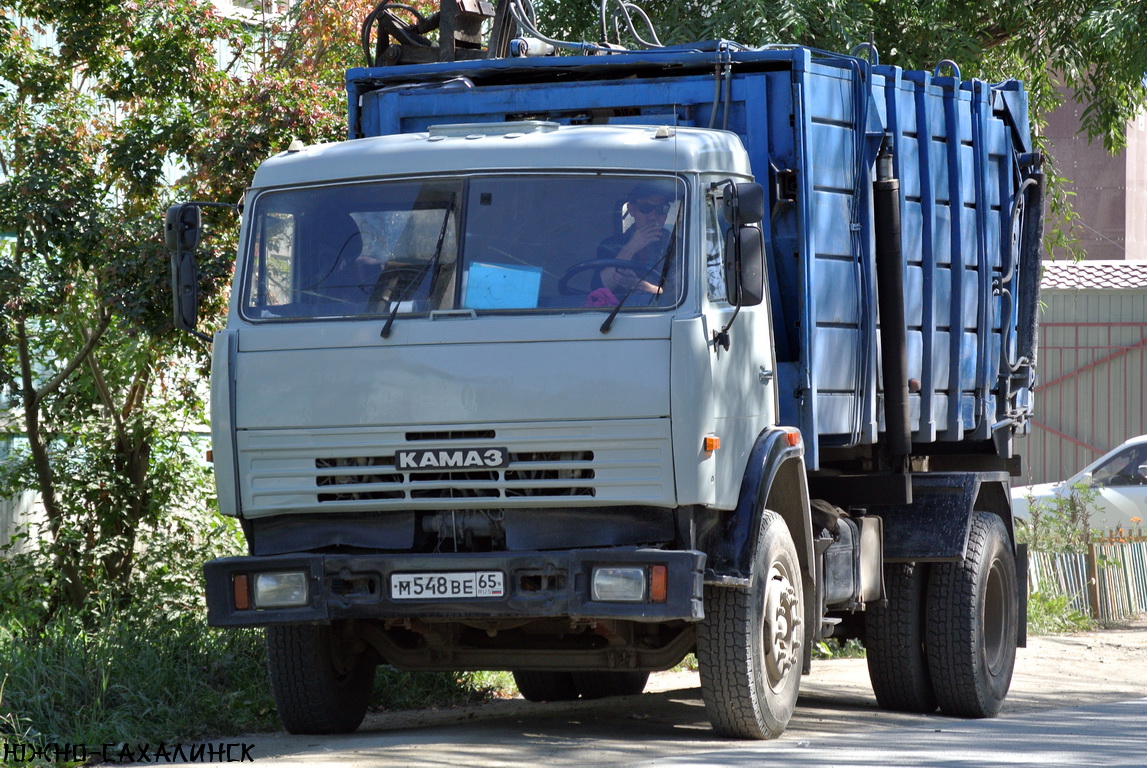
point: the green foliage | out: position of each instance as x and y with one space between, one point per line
687 664
130 677
100 103
1050 614
1062 524
398 690
832 648
292 89
148 669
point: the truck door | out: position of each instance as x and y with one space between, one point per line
744 374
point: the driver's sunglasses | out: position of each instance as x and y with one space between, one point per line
648 208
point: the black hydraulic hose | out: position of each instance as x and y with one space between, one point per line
1031 254
890 303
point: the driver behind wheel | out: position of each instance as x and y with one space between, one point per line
646 243
1130 468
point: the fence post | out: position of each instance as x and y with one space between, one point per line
1093 581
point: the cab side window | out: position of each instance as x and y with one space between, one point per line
715 229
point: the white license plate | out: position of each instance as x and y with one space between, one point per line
461 585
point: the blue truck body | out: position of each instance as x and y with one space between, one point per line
812 123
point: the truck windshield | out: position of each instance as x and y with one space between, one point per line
490 243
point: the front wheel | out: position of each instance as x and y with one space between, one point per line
750 643
321 678
973 623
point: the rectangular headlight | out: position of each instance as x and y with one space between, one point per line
617 584
280 590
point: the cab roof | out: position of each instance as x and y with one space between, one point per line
526 146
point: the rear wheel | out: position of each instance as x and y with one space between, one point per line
750 644
599 685
545 685
973 623
321 677
894 642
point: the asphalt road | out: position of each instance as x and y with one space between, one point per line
1075 701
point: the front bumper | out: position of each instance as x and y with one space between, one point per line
537 584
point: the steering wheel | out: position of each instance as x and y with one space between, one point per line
397 279
1124 478
564 287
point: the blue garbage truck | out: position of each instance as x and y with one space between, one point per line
574 365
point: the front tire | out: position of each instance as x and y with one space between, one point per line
321 679
973 623
750 643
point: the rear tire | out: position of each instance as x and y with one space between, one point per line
545 685
750 644
600 685
973 623
321 679
894 642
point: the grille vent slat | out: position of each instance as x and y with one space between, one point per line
463 434
553 474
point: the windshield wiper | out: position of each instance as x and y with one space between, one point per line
664 260
431 267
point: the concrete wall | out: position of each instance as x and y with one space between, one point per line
1136 201
1110 191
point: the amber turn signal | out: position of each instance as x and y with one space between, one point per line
658 583
242 593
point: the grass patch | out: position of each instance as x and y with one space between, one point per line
130 679
144 679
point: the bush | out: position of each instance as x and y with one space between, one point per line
128 677
1053 614
1061 525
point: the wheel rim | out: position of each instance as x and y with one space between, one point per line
781 626
995 618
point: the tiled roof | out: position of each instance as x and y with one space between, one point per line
1094 275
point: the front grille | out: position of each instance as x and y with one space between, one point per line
346 483
561 473
353 469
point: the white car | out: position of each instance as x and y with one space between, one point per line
1118 479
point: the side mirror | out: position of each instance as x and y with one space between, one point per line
185 290
744 203
181 229
182 226
745 265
